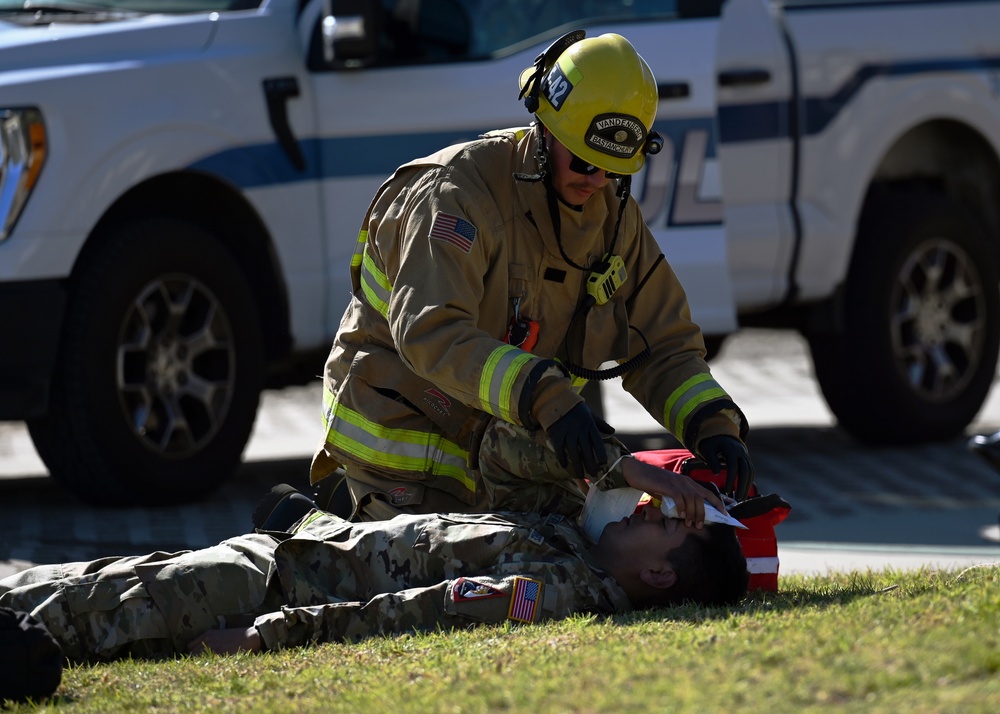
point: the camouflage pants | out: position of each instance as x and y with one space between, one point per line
517 471
150 605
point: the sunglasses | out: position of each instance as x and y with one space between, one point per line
579 166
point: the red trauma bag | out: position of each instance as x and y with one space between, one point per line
760 514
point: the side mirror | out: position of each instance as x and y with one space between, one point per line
350 32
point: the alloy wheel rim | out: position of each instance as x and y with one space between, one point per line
938 320
176 366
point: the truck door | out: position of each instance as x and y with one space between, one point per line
757 132
680 189
440 72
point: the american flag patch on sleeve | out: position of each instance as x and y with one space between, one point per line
454 230
524 599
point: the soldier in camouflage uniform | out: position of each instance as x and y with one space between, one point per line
332 580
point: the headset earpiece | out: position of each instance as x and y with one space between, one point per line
653 144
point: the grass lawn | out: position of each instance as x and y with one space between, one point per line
902 642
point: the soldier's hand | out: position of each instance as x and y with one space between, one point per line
689 495
720 450
228 641
577 441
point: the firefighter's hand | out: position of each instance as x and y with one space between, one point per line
577 441
728 451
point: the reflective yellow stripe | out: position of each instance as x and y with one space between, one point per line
375 285
401 449
686 399
328 402
359 248
573 73
578 383
693 404
496 383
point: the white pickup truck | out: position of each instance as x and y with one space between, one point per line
181 184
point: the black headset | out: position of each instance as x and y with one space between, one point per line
531 88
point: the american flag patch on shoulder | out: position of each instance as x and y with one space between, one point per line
454 230
524 599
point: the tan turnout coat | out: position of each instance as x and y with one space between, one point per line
450 243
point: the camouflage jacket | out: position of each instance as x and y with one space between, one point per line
348 581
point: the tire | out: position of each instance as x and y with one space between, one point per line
160 369
917 352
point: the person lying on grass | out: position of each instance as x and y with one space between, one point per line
326 579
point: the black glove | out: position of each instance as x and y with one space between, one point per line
730 451
577 440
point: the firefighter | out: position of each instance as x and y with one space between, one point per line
492 281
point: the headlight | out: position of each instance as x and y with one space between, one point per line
22 153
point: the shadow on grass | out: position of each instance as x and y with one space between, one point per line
30 510
824 592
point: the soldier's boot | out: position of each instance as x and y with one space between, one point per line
281 508
333 495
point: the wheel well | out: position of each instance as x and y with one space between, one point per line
215 206
949 157
941 156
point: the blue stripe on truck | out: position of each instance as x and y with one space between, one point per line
768 120
260 165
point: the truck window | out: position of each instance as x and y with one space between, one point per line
805 4
425 31
168 7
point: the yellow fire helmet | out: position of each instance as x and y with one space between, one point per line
598 98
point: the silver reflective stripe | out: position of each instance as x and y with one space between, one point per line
686 399
398 449
496 383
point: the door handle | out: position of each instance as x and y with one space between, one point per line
277 92
744 77
673 90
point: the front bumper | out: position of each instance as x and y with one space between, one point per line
31 316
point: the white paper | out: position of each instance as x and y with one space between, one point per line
604 507
712 514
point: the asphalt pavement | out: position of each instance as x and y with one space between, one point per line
854 507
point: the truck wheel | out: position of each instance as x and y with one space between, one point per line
917 351
160 369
